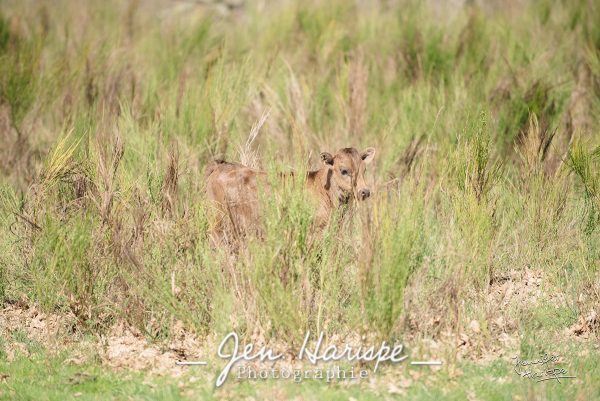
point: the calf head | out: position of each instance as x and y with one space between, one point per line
346 173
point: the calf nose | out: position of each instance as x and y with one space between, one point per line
364 193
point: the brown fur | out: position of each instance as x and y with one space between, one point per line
233 189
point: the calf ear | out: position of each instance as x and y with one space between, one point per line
327 158
368 155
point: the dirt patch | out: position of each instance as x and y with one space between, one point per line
586 326
36 324
19 323
523 287
126 347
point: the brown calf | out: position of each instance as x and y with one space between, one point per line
233 188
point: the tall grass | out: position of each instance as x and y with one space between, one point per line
472 115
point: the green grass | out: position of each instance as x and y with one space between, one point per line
58 379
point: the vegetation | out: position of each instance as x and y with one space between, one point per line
484 117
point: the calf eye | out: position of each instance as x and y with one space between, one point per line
344 171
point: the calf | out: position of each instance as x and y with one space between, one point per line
234 188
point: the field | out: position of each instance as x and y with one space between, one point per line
480 243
